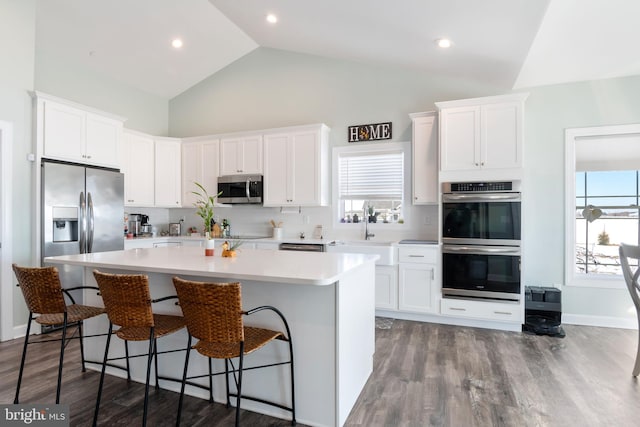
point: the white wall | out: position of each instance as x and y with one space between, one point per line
549 111
17 36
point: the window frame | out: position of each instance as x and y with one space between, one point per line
363 149
573 137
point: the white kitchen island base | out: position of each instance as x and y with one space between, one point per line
331 319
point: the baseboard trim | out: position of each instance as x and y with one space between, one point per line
601 321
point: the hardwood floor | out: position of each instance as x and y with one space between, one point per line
424 374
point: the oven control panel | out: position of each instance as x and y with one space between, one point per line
473 187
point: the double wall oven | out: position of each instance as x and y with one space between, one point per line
481 240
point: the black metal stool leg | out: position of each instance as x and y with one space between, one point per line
84 369
155 361
126 353
146 389
184 381
62 345
239 387
24 355
293 389
226 377
210 380
104 366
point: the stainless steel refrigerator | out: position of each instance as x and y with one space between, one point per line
82 212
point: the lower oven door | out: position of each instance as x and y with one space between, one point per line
481 272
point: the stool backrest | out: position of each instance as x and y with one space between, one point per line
41 289
212 311
630 252
126 298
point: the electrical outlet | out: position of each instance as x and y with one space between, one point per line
305 219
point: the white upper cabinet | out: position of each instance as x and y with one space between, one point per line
200 161
296 167
425 158
138 169
241 155
168 172
68 132
482 133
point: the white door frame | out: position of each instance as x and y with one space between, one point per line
6 237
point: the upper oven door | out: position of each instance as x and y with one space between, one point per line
481 219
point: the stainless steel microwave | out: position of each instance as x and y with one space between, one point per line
240 189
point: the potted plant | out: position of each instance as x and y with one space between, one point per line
204 208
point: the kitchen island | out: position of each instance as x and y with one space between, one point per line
328 300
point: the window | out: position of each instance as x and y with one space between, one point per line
370 185
606 214
602 199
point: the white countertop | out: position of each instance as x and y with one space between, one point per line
306 268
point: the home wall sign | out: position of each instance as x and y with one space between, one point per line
374 132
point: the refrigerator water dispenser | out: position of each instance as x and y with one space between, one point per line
65 224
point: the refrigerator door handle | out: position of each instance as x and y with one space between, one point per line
90 221
83 222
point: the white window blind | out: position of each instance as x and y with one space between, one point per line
371 176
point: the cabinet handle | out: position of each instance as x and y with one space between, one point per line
477 164
503 312
481 163
416 256
88 157
457 309
433 275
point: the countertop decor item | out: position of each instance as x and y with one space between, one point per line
277 229
229 249
204 207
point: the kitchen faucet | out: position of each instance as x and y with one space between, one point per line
367 235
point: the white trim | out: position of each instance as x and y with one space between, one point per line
6 252
572 278
600 321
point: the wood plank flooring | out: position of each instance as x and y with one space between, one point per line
424 375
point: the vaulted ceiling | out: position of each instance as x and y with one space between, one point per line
506 43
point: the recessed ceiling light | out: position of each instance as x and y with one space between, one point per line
177 43
271 18
444 43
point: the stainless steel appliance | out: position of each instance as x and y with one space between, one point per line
82 211
305 247
240 189
481 231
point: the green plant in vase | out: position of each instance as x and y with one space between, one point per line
204 207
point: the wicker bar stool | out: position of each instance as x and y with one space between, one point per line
127 301
213 314
44 296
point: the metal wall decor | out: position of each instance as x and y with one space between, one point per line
373 132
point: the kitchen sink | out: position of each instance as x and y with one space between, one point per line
386 250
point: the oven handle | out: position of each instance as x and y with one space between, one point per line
493 197
481 250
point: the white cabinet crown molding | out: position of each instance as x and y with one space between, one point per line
45 96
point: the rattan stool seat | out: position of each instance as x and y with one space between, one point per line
44 296
75 313
163 324
254 338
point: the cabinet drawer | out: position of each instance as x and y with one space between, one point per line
502 312
420 255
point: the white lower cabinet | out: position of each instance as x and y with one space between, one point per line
483 310
387 287
417 279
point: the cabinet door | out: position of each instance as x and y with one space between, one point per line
103 137
210 152
460 138
230 156
304 164
425 160
139 170
191 172
64 132
168 176
416 282
277 174
252 154
501 135
386 287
